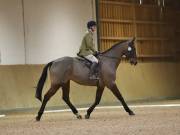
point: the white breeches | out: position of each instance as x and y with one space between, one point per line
92 58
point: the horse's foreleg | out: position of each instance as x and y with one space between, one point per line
47 96
99 93
117 93
65 96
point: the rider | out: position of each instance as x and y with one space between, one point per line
87 48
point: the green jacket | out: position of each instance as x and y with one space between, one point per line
87 45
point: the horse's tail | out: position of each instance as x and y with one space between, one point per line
41 82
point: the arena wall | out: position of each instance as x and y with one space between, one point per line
11 32
35 32
143 82
54 28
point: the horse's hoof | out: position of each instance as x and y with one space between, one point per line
87 116
79 117
131 113
37 118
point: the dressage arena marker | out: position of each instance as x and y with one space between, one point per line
115 107
2 116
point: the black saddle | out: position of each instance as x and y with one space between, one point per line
85 61
88 64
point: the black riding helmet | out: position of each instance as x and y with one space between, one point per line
91 24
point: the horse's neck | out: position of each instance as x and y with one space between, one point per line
117 51
115 54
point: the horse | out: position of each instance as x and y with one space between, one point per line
66 69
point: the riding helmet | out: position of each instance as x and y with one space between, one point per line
91 24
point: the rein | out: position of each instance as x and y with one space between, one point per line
112 57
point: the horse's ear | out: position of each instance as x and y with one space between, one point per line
133 39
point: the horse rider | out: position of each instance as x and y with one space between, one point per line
87 48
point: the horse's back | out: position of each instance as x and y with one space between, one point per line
69 68
67 61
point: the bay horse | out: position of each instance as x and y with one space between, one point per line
65 69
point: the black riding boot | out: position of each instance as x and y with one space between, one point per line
92 71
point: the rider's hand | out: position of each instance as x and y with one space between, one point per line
96 53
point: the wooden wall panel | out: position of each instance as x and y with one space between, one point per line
155 26
147 13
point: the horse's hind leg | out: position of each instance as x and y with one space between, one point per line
65 96
99 93
47 96
117 93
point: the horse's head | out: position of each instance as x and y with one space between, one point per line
130 52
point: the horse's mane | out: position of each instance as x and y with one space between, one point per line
114 46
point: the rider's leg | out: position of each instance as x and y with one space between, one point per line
94 61
93 70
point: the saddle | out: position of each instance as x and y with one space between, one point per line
88 64
85 61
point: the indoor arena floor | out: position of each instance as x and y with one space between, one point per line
152 120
